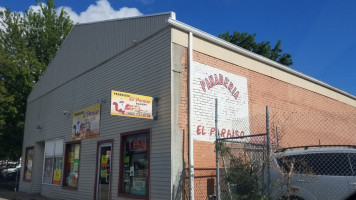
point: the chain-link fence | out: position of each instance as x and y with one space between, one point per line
243 162
284 154
310 155
204 181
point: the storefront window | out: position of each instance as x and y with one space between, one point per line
28 164
53 162
134 169
72 165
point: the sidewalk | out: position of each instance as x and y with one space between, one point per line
12 195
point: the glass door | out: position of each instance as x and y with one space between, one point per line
104 171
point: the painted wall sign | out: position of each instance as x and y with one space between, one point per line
86 123
210 83
131 105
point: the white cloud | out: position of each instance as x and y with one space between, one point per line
36 8
102 10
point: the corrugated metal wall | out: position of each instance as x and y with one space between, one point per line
141 69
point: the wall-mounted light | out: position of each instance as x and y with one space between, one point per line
65 112
39 127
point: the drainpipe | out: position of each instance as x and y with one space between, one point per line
190 98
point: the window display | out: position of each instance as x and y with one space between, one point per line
134 164
72 165
28 164
53 162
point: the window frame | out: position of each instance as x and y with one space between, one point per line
121 164
25 165
53 157
64 174
111 141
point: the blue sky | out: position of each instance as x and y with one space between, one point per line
319 34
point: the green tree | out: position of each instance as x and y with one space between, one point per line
27 45
247 41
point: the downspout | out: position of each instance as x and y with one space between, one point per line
190 98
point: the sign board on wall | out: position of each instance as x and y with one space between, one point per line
86 122
131 105
208 84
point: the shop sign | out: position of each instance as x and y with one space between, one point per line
131 105
138 143
86 123
208 84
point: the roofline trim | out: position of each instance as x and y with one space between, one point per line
171 13
214 39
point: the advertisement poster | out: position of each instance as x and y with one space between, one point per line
104 160
28 171
131 105
86 123
208 84
138 187
103 173
57 176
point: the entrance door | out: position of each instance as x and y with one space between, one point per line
104 171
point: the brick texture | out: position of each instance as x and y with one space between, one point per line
305 117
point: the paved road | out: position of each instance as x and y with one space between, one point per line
12 195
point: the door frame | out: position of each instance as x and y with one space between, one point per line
96 163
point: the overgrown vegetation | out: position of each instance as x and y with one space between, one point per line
240 176
27 45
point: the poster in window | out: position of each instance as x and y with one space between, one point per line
103 173
57 176
86 123
104 160
28 169
72 163
138 186
75 164
47 176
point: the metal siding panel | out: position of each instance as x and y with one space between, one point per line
90 44
143 69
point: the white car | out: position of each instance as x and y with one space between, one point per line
10 170
314 172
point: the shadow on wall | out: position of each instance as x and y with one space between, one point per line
177 193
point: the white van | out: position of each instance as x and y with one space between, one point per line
314 172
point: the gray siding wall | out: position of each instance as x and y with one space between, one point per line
177 171
141 69
91 44
35 185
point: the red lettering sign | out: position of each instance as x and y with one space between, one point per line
138 144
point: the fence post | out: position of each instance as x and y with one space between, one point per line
277 137
268 154
217 152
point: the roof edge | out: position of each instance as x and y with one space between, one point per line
214 39
171 13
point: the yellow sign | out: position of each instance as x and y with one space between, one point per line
86 123
104 159
57 176
131 105
103 173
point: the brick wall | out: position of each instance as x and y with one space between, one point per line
303 117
